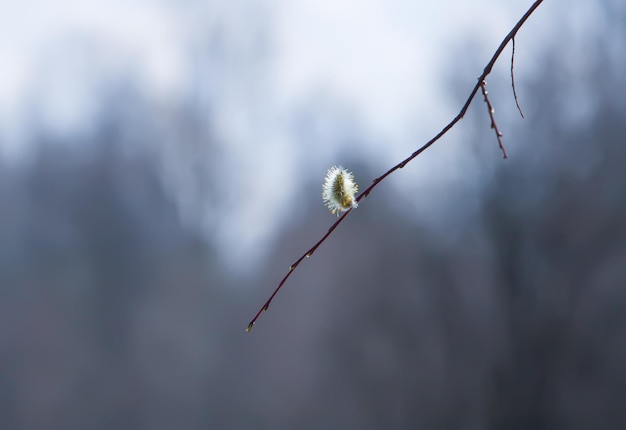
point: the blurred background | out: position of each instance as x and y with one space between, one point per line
161 167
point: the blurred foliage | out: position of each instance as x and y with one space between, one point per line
114 315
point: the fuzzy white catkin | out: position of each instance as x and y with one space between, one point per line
339 190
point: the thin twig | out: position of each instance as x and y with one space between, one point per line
293 267
494 124
513 77
375 182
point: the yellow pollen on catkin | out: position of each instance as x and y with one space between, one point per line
338 190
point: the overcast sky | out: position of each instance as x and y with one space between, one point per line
380 57
383 64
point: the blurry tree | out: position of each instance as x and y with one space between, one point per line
113 314
99 287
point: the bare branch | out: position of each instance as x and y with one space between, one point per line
480 84
494 125
513 77
293 267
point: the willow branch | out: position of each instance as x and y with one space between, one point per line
513 77
400 165
492 111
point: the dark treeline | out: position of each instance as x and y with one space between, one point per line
113 315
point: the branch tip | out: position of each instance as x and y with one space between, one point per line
513 77
494 124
